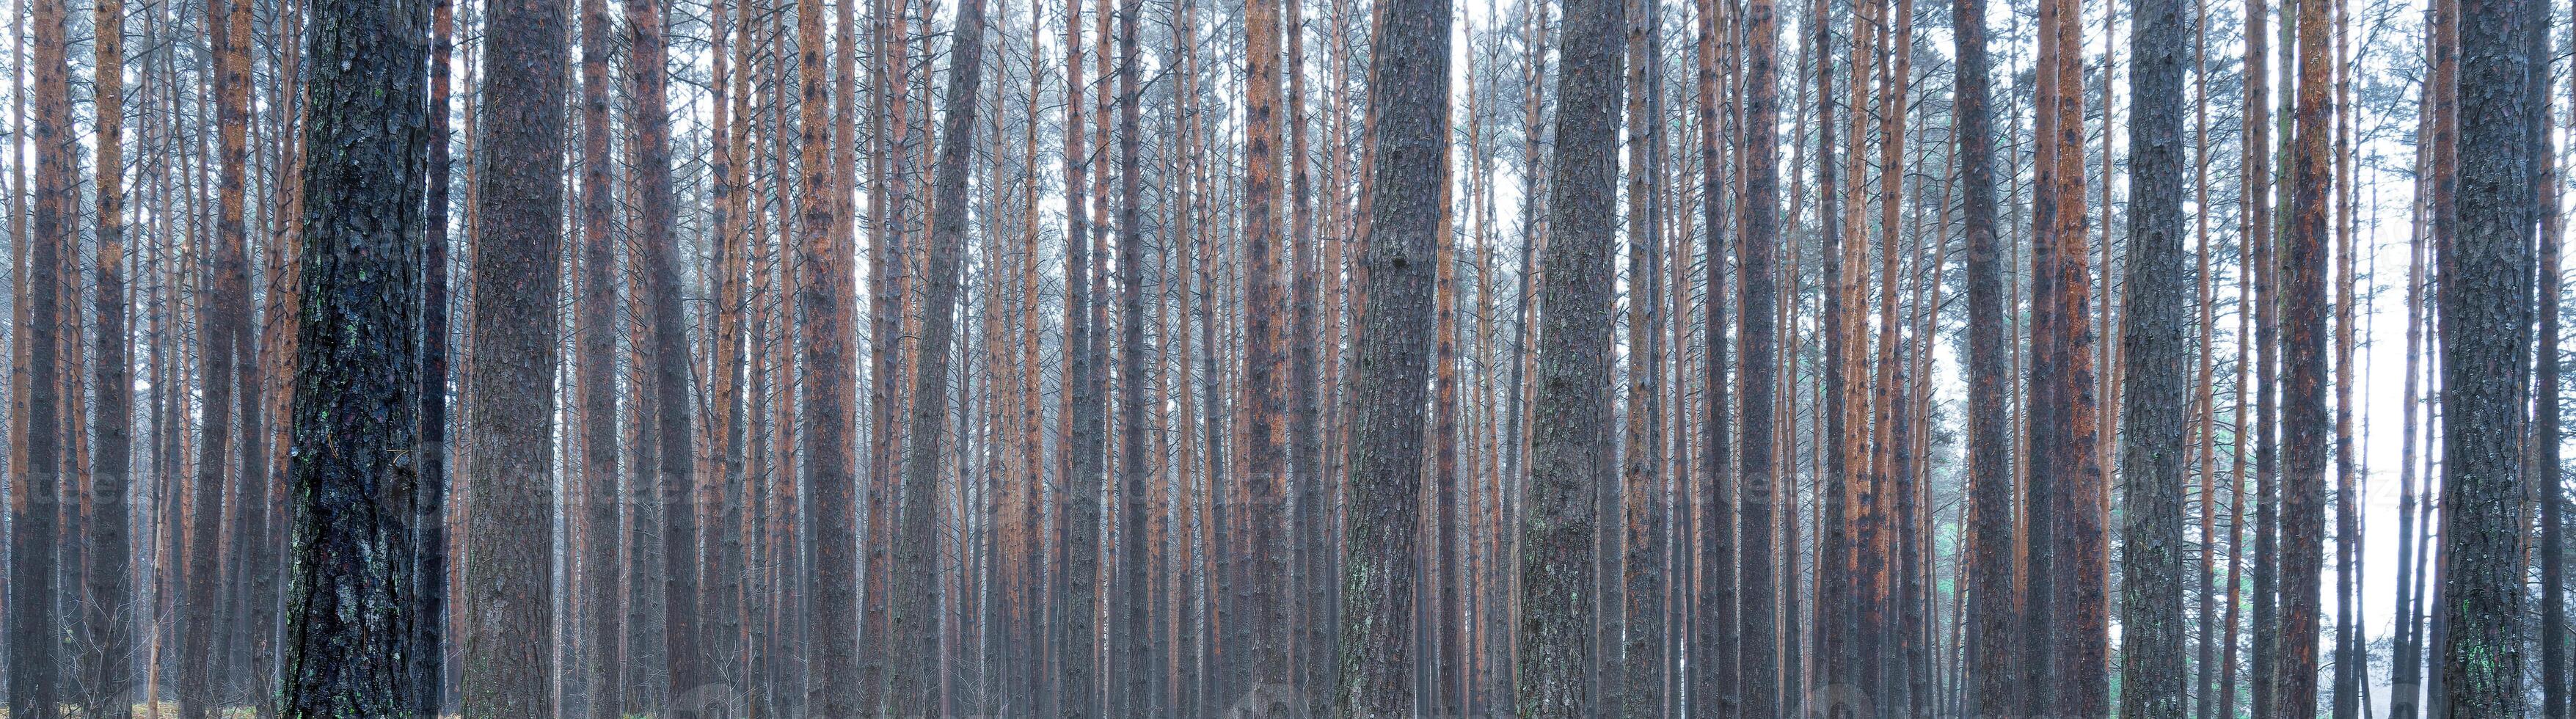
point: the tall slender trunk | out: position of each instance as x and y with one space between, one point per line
2304 265
429 512
825 308
2548 486
107 601
2069 607
1078 601
35 676
595 376
1130 644
2153 409
911 690
1757 329
1265 385
1405 237
1990 679
1571 453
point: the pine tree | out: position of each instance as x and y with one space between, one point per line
1757 328
1570 450
911 691
2485 310
595 376
2303 267
35 676
107 600
1405 231
517 281
350 642
2155 334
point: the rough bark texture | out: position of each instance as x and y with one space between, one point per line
107 601
1392 366
1570 450
2485 305
34 500
827 307
2304 265
1267 691
912 690
1987 681
509 587
2070 607
1758 330
1078 599
595 377
350 633
2156 349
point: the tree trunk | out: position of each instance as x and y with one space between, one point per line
1403 241
1078 601
1269 693
509 584
1130 645
35 676
2066 486
1989 683
826 307
911 690
350 643
429 513
1571 453
2156 347
1759 688
108 600
595 376
2485 300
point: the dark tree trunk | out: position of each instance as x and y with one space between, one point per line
429 513
1132 644
595 377
351 639
669 485
1759 688
108 600
2485 300
2156 347
1571 455
911 690
1988 683
1404 233
1077 693
509 586
225 301
35 493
